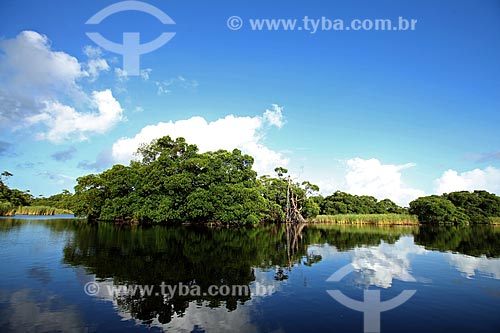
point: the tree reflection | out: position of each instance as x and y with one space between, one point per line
224 256
194 255
475 241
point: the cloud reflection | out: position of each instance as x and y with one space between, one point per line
380 265
28 311
468 265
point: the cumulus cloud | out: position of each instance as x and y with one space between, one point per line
64 121
28 63
477 179
39 86
371 177
244 133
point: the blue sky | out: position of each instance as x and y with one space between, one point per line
389 113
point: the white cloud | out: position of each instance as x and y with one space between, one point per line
30 66
39 86
121 75
244 133
274 116
477 179
95 66
371 177
64 121
92 52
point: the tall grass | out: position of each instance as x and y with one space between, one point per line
5 208
495 220
32 210
379 219
384 229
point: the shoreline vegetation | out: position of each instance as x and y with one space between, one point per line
372 219
32 210
172 183
495 220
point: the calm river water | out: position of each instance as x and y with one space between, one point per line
63 274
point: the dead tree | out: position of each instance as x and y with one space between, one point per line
292 210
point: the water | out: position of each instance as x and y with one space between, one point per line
45 264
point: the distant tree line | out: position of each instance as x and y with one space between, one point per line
11 200
461 208
171 182
10 196
345 203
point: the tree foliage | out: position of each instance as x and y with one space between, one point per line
172 182
457 208
345 203
12 197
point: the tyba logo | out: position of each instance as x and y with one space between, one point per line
371 306
131 49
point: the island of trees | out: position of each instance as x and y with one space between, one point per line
171 182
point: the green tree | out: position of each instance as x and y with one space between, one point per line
436 210
457 207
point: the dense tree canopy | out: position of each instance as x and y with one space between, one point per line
457 208
172 182
345 203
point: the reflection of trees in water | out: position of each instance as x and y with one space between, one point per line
200 256
220 256
187 255
475 241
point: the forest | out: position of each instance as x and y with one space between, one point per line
171 182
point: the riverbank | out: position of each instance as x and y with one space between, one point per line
33 210
378 219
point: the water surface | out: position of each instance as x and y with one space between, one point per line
46 264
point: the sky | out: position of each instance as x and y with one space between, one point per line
393 114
